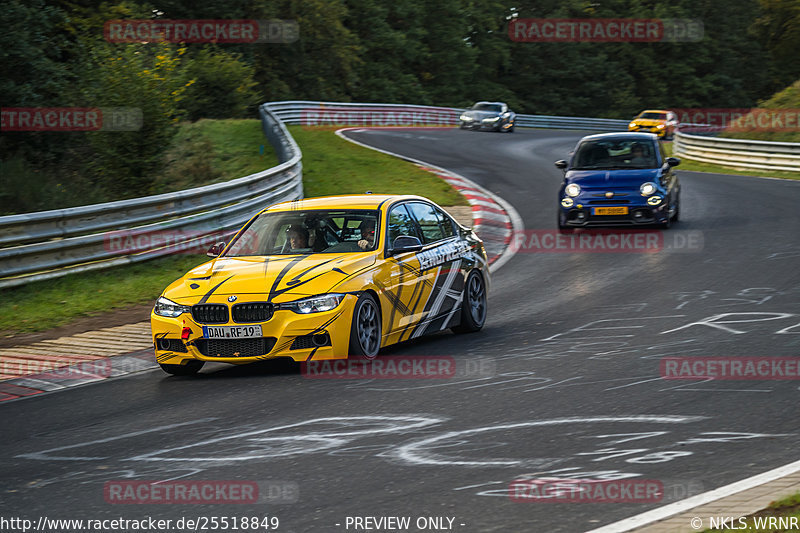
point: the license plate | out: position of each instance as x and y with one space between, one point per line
232 332
611 210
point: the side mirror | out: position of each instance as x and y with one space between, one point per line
673 161
216 249
561 164
406 243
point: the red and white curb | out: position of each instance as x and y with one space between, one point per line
491 222
495 220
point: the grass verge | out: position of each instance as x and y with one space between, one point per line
209 151
332 165
697 166
52 303
769 520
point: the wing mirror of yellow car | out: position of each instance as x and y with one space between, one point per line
405 243
216 249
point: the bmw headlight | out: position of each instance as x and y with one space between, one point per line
632 125
567 202
166 307
573 189
660 126
654 200
492 119
648 188
315 304
464 118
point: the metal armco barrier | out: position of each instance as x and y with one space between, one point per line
310 113
738 153
47 244
53 243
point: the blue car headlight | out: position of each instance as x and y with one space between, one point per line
573 189
166 307
648 188
315 304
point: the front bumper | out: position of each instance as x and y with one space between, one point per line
285 334
660 132
583 215
480 125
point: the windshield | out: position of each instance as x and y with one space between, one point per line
608 154
653 116
307 232
496 108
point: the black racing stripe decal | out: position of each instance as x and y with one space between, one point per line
393 299
209 293
297 279
329 322
436 285
444 275
273 291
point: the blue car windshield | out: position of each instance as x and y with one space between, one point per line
614 154
307 232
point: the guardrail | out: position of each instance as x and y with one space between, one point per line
314 113
53 243
738 153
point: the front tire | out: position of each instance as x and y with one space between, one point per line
191 368
365 329
677 214
473 306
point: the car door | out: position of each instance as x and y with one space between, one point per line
668 177
400 278
442 265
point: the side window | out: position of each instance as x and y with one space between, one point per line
400 223
428 221
448 230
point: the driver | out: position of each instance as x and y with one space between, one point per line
297 236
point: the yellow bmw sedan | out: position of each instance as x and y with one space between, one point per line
324 278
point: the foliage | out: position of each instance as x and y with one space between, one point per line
220 85
448 52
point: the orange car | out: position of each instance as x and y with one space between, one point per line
662 123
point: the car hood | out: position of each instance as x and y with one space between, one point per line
604 179
279 278
648 122
480 115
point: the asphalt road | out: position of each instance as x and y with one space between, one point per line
563 382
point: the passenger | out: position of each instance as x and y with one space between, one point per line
367 240
637 155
